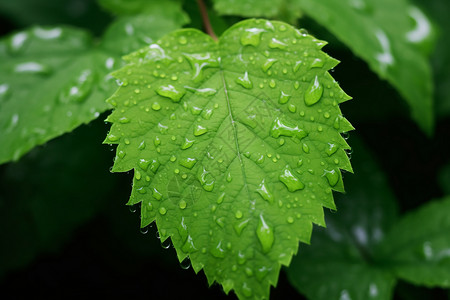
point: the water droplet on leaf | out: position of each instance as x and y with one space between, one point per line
156 106
244 81
313 92
332 177
187 144
205 92
277 44
251 36
317 63
199 130
280 127
162 210
239 226
182 204
305 148
218 251
265 234
156 194
188 162
290 181
332 148
268 64
199 62
263 190
284 98
169 91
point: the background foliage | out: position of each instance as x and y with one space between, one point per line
66 228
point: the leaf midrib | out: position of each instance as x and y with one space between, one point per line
233 125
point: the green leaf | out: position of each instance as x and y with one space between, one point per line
387 35
54 79
259 8
437 10
339 263
48 86
418 247
131 7
129 33
235 146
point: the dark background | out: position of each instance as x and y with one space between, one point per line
65 229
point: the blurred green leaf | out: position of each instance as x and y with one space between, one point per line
288 10
170 8
54 79
417 248
339 262
129 33
51 81
438 10
389 36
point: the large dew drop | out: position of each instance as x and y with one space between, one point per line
244 81
199 130
268 64
332 177
263 190
277 44
156 194
205 92
189 246
265 234
144 163
154 166
206 180
284 98
284 128
171 92
313 92
199 62
251 36
187 144
332 148
317 63
240 225
188 162
218 251
290 181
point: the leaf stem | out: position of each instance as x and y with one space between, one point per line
206 23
